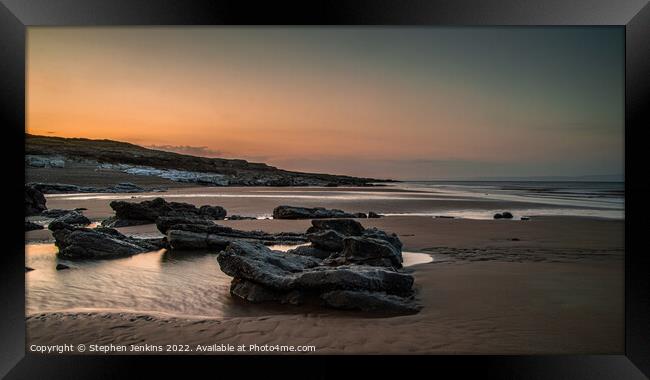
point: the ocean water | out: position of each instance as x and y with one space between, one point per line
566 198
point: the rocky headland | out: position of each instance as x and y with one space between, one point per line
57 154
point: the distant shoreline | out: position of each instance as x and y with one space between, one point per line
51 159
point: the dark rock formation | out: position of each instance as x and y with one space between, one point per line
373 214
213 212
239 217
73 218
346 266
55 213
99 243
61 267
360 215
34 201
256 262
28 269
371 251
354 277
344 226
215 237
376 233
164 223
145 212
311 251
291 212
327 240
503 215
255 293
31 226
115 222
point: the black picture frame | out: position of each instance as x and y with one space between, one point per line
633 15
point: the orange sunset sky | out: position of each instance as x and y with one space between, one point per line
404 103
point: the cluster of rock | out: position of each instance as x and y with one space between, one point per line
503 215
293 212
76 242
346 267
35 205
62 188
147 212
188 234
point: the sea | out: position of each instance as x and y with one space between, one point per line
561 198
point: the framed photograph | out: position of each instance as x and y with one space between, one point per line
459 187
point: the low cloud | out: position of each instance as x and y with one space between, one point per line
201 151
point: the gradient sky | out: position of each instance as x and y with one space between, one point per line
399 102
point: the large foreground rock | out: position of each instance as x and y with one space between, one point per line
100 243
34 201
263 275
291 212
257 263
131 213
328 240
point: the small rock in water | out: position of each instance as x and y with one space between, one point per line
525 218
61 267
373 214
240 217
506 215
498 216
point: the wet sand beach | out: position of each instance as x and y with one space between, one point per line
548 285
